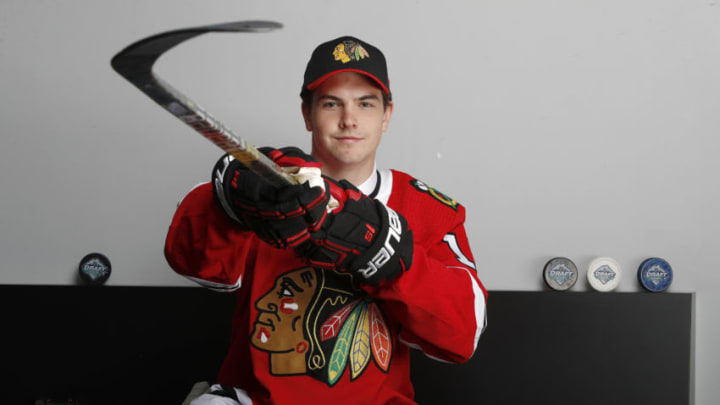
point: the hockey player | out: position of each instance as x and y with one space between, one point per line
338 277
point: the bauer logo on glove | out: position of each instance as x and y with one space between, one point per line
387 250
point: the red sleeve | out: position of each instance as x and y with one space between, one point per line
439 301
203 245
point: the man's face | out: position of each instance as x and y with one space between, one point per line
347 120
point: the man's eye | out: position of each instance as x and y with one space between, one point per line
329 104
366 104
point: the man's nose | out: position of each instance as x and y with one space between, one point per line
348 119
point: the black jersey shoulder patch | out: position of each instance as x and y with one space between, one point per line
443 198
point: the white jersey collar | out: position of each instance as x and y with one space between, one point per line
378 185
368 186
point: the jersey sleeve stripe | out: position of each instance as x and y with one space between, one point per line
216 286
480 307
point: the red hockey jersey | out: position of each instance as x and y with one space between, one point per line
306 335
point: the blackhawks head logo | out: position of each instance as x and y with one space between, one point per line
315 322
349 50
443 198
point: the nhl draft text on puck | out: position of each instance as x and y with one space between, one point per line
655 274
94 269
560 273
604 274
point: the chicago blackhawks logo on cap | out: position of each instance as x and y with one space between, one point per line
347 51
316 322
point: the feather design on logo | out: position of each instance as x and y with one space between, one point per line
349 50
330 328
360 351
359 52
380 334
338 358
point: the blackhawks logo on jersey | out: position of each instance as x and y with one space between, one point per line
315 322
443 198
349 50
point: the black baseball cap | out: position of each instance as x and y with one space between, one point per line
346 54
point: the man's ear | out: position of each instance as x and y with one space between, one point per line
306 112
386 116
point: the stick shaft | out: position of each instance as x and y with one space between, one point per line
205 124
135 64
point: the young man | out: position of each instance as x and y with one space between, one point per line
337 277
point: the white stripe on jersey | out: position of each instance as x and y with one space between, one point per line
480 308
480 317
217 286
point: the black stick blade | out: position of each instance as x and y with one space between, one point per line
135 61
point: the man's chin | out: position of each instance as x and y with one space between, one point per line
348 157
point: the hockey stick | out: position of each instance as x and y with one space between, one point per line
135 64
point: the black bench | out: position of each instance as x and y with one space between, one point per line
136 345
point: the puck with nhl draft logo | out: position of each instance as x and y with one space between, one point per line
655 274
94 269
560 273
604 274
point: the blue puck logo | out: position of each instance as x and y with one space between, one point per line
655 274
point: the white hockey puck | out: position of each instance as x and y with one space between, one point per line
604 274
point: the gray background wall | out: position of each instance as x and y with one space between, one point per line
571 128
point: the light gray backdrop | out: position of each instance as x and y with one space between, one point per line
573 128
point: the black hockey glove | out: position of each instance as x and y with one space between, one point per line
281 217
363 237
